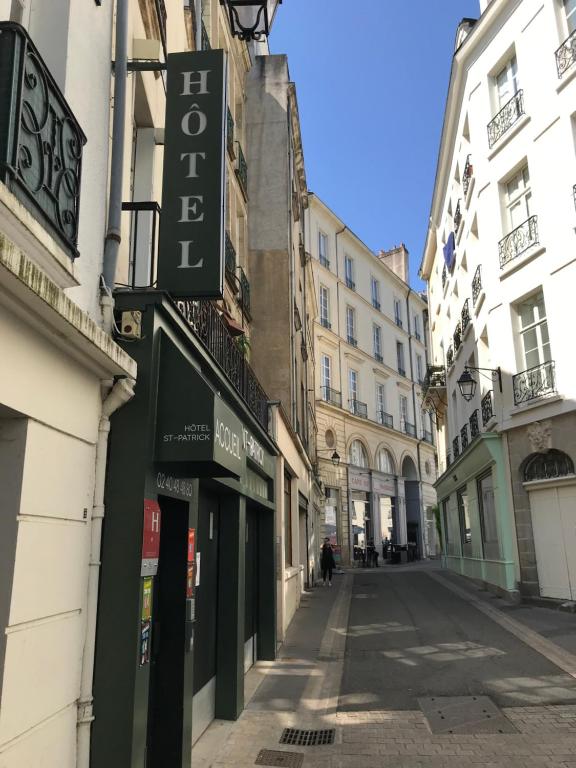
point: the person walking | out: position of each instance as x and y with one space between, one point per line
327 562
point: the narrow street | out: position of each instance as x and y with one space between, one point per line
366 657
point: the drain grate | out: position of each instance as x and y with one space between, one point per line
464 714
276 758
303 738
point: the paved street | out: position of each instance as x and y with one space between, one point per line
365 656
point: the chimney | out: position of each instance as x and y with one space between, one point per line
397 260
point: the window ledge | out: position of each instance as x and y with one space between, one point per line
508 136
566 79
468 197
533 252
536 403
534 485
479 302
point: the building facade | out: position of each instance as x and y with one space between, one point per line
370 363
499 270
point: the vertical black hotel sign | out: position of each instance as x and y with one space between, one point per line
191 250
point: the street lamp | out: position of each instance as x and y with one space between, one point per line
335 458
467 383
250 19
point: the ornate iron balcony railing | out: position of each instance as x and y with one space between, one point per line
351 340
476 285
350 283
465 316
358 408
230 134
410 429
208 326
378 357
457 217
242 170
398 320
487 408
456 447
324 261
41 142
536 382
510 113
435 378
444 276
144 229
386 419
518 241
566 54
464 437
467 176
428 437
245 301
205 39
474 426
449 356
326 323
376 304
457 337
230 252
332 396
448 459
401 371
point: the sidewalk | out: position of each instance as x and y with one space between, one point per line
301 688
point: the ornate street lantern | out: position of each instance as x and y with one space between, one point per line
335 459
467 385
250 19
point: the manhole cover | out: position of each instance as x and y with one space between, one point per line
303 738
274 757
464 714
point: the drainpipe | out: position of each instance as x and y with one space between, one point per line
120 394
198 14
113 234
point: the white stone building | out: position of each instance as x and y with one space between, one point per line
500 270
370 360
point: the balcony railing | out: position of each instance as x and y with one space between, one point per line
435 378
464 437
457 337
376 303
41 142
358 408
444 275
448 458
449 356
324 261
386 419
326 323
230 134
409 429
245 301
162 17
205 39
510 113
428 437
465 316
476 285
351 340
474 426
457 217
467 176
487 408
536 382
144 228
398 321
242 169
331 396
378 357
566 54
207 324
230 252
350 283
401 371
518 241
456 447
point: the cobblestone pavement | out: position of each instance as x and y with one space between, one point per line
302 689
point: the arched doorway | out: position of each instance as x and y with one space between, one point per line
413 508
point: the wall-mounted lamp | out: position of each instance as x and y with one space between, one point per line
467 383
250 19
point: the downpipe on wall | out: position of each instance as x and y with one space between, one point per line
121 393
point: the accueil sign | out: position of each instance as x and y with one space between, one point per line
191 252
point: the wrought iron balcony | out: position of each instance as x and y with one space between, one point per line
376 303
324 261
476 285
358 408
457 217
350 283
435 378
456 447
326 323
457 337
398 320
448 459
386 419
205 39
444 276
467 176
510 113
465 316
331 396
144 228
351 340
518 241
464 437
536 382
487 407
230 252
428 437
378 357
41 142
401 371
230 134
409 429
449 356
566 54
245 293
241 169
208 326
474 426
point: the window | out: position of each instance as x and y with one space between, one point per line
351 326
535 342
325 307
400 358
417 331
287 520
570 11
488 522
323 249
375 290
464 518
377 339
380 402
517 199
384 461
419 369
349 272
357 455
507 82
398 312
326 376
352 385
403 411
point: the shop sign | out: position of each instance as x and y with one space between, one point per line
150 538
359 481
146 598
191 250
384 485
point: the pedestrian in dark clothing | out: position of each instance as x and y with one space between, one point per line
327 562
376 555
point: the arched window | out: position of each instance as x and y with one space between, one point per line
385 461
357 454
546 466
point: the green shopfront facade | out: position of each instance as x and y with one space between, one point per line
187 588
477 518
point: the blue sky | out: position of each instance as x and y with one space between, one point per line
372 78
